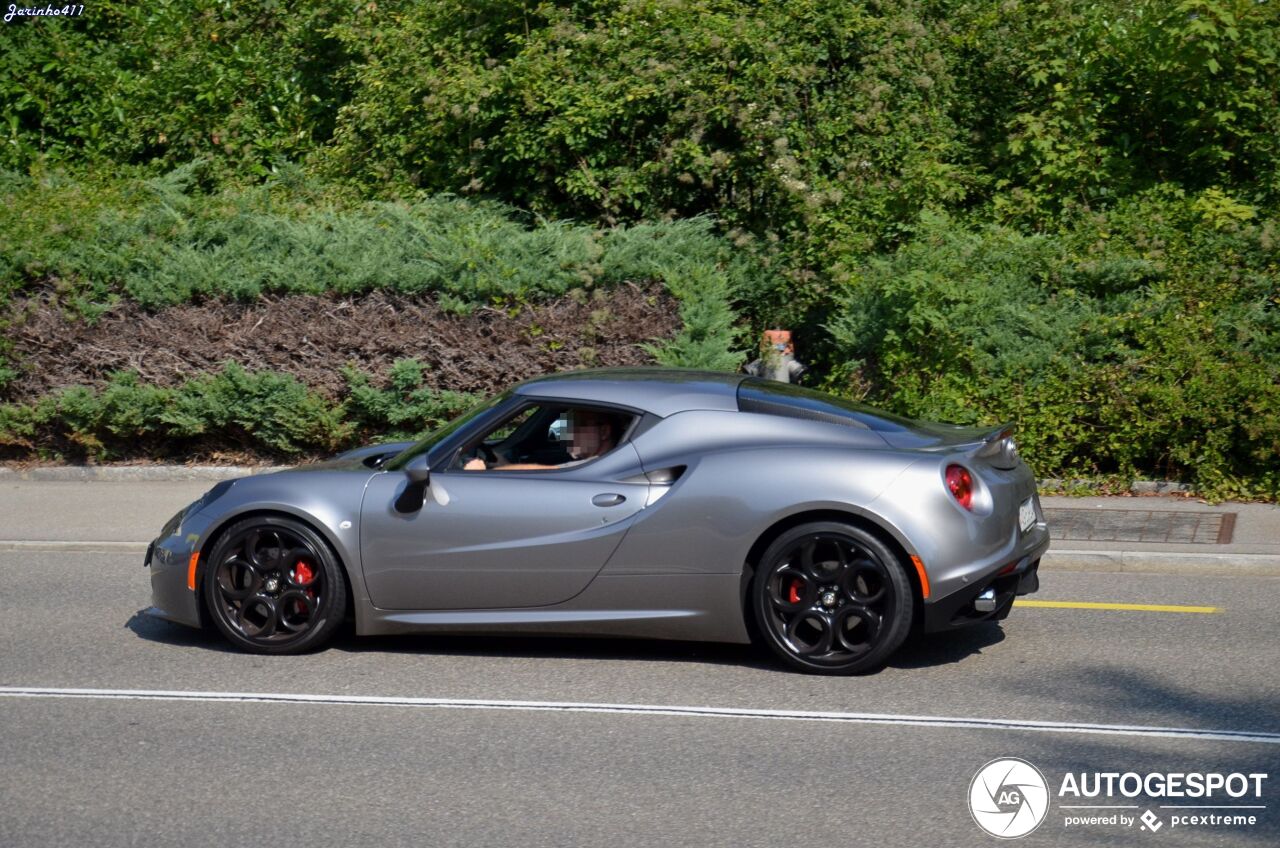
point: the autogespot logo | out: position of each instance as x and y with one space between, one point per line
1008 798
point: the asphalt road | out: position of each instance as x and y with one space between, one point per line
132 770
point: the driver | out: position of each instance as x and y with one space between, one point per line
590 434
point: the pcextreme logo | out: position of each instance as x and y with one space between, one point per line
1008 798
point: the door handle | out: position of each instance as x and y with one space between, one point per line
608 499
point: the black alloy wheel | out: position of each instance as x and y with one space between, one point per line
273 586
831 598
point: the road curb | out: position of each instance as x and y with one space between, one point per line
124 473
1163 562
1050 485
48 546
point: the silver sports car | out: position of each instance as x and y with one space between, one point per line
634 502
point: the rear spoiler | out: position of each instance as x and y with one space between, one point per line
1004 431
998 447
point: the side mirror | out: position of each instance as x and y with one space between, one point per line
410 500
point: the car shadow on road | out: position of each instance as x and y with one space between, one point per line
558 647
155 629
918 652
1136 692
946 648
152 628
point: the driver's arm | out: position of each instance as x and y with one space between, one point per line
478 464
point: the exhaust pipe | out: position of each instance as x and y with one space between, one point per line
986 602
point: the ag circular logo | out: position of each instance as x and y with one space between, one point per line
1008 798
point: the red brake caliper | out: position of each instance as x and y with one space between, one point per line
793 591
304 575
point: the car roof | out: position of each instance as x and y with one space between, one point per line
662 391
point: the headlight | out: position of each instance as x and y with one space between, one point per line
173 526
210 496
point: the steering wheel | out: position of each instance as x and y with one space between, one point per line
490 455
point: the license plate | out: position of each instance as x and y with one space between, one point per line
1027 514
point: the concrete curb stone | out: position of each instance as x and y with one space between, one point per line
43 546
1137 487
154 473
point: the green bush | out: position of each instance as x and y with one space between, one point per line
270 411
806 120
262 413
702 272
163 241
811 164
406 409
265 413
1141 342
1086 101
162 83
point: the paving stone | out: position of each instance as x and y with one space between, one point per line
1187 527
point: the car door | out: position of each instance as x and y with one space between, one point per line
498 540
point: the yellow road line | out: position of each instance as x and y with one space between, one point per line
1090 605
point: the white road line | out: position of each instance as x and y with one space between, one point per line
644 709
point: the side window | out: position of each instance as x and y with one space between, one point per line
546 437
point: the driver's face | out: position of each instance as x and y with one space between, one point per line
590 435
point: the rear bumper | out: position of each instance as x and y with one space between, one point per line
961 608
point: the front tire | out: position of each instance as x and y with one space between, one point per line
274 586
831 598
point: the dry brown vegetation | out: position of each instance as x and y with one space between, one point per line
311 337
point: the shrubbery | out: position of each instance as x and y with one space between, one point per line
1143 341
1064 213
167 82
259 413
406 409
163 241
807 121
1081 101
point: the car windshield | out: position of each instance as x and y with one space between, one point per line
440 434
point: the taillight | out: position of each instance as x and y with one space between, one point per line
960 484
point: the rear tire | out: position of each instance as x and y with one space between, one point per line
831 598
274 586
